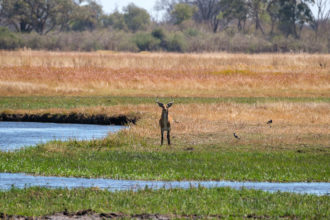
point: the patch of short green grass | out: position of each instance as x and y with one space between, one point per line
67 102
202 202
109 159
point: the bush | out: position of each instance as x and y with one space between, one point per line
162 38
191 32
175 42
9 40
146 42
159 33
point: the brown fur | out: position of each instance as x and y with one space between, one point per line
165 122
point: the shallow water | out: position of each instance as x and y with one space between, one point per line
18 180
15 135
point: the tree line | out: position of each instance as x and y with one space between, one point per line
288 17
182 19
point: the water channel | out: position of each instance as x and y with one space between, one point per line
15 135
19 180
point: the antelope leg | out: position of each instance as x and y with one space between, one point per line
162 137
168 137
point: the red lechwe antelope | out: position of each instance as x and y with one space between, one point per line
165 121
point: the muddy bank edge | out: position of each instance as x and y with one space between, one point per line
76 118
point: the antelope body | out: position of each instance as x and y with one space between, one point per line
165 122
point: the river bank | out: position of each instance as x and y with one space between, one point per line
76 118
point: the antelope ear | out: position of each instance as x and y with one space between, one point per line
169 104
160 104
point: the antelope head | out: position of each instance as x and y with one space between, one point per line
165 107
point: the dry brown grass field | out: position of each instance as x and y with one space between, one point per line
295 124
303 126
163 74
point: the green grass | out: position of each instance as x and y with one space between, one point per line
221 202
114 160
67 102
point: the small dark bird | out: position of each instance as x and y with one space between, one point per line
236 136
323 65
270 122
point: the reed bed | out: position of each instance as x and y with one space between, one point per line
164 74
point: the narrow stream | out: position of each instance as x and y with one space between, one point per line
19 180
15 135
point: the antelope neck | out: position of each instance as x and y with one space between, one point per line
164 114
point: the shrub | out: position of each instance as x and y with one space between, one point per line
8 40
175 42
191 32
146 42
159 33
166 38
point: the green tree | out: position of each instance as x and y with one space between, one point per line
293 14
234 10
14 13
116 20
41 16
65 14
87 17
256 9
136 18
167 6
208 11
273 8
182 12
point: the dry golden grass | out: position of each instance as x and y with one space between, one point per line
163 74
295 125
